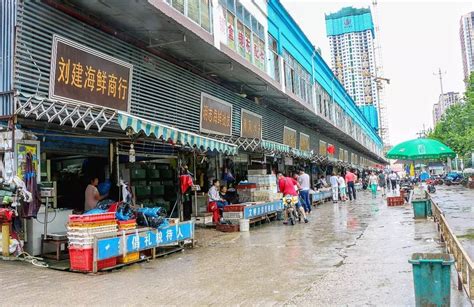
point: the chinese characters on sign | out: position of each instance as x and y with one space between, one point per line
81 74
322 148
289 137
251 125
304 141
216 115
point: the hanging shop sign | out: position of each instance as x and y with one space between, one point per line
251 125
304 141
216 115
84 75
289 137
322 148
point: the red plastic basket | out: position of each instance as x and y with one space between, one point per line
99 217
227 227
81 260
234 208
246 186
395 201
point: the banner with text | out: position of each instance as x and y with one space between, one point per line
216 115
251 125
84 75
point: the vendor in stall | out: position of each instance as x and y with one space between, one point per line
92 195
229 194
214 195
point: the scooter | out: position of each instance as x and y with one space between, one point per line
290 207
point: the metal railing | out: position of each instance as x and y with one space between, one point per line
464 264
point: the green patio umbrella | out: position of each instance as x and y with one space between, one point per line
421 149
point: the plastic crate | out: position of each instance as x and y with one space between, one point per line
127 225
130 257
108 216
92 224
395 201
233 215
227 228
246 186
81 260
234 208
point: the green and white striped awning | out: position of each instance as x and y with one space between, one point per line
201 142
273 146
302 154
166 133
148 127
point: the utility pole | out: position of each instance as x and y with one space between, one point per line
440 75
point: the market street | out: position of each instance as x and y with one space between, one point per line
351 253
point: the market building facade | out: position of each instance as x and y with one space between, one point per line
212 85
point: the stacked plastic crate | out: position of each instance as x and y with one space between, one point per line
81 231
127 227
266 186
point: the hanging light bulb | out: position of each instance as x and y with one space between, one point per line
131 154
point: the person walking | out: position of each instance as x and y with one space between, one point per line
373 182
342 187
303 181
382 182
334 187
393 181
350 179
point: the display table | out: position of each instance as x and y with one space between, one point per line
132 241
251 211
321 195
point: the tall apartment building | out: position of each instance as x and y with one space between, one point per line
351 38
466 33
445 101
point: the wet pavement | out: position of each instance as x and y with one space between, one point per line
457 203
349 254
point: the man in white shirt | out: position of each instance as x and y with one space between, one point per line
393 180
335 187
303 181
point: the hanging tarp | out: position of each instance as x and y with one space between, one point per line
166 133
275 147
148 127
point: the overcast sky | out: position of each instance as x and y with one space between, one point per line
417 38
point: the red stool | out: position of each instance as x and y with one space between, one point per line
212 207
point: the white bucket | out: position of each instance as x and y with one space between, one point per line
244 225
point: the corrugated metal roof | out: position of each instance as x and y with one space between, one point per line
161 91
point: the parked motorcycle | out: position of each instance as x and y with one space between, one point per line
290 207
431 188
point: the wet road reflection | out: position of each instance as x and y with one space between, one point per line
457 203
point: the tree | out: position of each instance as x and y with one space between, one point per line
456 128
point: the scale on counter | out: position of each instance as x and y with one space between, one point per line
48 192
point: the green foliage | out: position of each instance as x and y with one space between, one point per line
456 128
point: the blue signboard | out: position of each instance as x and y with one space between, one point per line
108 248
173 233
254 211
112 247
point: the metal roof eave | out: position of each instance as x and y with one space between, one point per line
241 70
